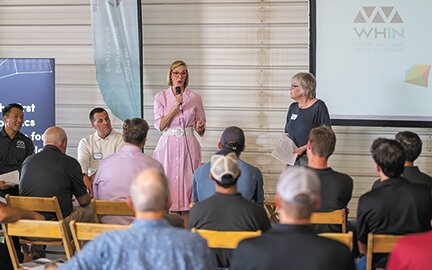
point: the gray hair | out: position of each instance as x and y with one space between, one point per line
149 191
307 83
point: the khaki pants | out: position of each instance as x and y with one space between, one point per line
80 214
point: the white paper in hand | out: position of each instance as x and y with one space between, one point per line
284 150
11 178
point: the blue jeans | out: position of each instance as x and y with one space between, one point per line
361 263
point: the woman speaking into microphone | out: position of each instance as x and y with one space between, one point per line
179 113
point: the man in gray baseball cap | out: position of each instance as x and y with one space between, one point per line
293 242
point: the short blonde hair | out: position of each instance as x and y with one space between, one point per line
176 64
307 83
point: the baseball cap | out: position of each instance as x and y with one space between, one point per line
233 138
224 168
298 185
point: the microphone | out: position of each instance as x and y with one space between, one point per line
178 92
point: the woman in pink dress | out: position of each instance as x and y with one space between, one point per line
179 113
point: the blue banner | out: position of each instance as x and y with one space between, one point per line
31 83
117 55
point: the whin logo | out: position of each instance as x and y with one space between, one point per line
378 23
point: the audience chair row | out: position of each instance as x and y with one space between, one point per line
57 233
215 239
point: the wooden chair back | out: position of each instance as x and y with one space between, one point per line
88 231
379 243
36 229
38 204
112 208
225 239
344 238
333 217
270 207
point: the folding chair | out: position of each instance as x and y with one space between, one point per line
270 207
225 239
333 217
112 208
379 243
88 231
344 238
38 204
36 229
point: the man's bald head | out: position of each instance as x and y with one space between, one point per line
149 191
55 136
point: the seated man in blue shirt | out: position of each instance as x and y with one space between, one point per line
250 183
150 243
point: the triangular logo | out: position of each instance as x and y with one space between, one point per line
359 18
369 11
378 18
396 18
387 11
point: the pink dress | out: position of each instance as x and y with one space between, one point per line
172 151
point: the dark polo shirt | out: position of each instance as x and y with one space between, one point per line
413 175
228 212
52 173
394 206
336 192
291 247
14 151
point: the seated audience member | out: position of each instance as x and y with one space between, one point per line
412 252
336 187
116 172
250 183
412 145
227 210
15 147
99 145
150 243
293 244
8 215
53 173
394 206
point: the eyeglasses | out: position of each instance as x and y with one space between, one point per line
176 73
293 86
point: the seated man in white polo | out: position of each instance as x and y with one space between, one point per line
99 145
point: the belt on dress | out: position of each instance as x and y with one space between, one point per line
178 132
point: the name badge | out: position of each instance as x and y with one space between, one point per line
294 116
97 156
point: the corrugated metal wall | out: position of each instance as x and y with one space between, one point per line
241 55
